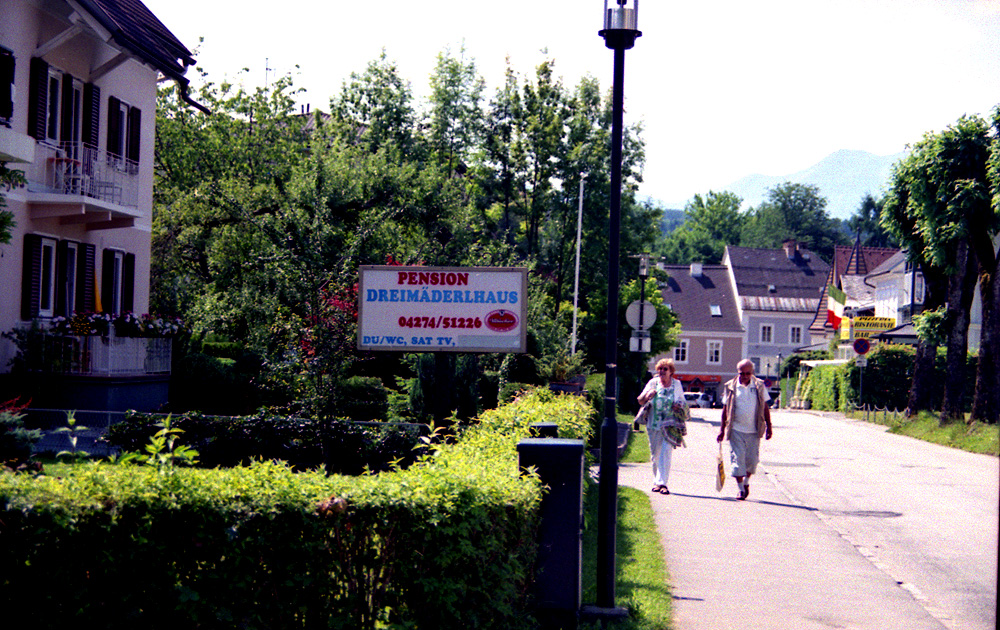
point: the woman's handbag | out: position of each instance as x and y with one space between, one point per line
720 471
642 418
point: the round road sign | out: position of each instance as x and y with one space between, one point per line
648 315
862 346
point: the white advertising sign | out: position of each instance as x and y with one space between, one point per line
442 309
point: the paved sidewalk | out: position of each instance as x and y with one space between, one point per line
765 563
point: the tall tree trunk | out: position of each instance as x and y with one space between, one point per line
923 378
986 402
961 291
924 383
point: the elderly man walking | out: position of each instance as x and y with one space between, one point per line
746 418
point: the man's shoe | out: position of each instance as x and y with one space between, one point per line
746 490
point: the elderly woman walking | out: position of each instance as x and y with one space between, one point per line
666 417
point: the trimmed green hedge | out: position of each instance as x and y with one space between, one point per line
341 446
447 543
886 385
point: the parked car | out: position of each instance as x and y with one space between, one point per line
698 399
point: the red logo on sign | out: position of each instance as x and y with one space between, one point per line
501 321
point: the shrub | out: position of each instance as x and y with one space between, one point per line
362 398
215 385
448 543
15 440
341 446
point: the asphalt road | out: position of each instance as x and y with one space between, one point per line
846 526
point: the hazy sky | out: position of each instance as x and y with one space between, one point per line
724 88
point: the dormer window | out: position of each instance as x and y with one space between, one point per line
715 310
772 289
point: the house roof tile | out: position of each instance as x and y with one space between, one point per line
692 297
134 27
771 273
848 261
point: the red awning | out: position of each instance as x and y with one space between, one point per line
704 378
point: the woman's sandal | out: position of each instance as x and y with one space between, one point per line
663 490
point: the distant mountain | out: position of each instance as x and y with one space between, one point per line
844 178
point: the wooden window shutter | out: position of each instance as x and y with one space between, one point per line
38 98
91 114
6 84
107 280
134 127
31 277
86 269
66 118
128 283
114 132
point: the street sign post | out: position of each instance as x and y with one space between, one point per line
640 315
861 346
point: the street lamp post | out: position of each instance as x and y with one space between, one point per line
619 33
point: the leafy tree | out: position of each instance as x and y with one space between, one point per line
542 128
262 216
663 336
866 223
940 208
503 157
711 223
455 118
9 178
376 107
793 211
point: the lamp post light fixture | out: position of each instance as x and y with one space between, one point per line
620 32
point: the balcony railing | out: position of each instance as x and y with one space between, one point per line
78 169
102 356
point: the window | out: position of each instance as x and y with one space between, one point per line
60 107
117 281
47 290
714 353
124 122
68 257
795 335
72 116
715 310
38 278
52 109
681 351
766 333
6 86
58 277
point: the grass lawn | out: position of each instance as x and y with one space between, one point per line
641 574
975 437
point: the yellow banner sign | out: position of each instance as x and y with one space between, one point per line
866 327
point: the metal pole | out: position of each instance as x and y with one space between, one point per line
576 281
607 495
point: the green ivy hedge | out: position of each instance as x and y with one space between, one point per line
886 381
446 543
